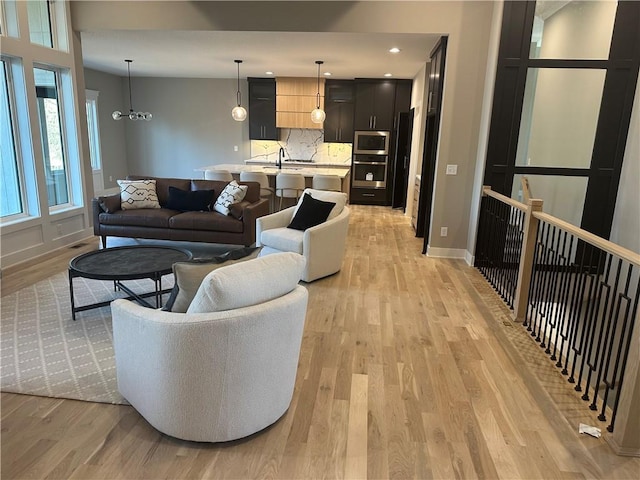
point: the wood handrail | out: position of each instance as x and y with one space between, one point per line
591 238
498 196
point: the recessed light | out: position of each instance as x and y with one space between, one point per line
268 73
327 74
388 75
394 50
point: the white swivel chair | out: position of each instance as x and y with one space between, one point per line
289 185
322 246
265 190
223 175
327 182
225 369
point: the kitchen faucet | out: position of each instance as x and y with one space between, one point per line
280 155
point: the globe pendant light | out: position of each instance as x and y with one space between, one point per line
318 115
239 113
117 115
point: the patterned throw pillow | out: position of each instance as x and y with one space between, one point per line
138 194
232 194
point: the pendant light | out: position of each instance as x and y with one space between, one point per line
117 115
318 115
239 113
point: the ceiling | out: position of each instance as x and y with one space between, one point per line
210 54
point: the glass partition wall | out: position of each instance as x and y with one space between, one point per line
566 77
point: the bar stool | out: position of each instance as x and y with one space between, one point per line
222 175
265 190
289 185
327 182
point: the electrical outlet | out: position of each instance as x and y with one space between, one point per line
444 231
452 169
111 178
235 148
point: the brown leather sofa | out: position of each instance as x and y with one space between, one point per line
238 228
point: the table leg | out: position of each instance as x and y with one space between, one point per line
73 305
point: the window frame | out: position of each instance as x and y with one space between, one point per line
62 119
95 147
15 132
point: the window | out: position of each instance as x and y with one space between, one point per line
53 151
10 193
40 30
92 128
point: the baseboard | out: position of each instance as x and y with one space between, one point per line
469 258
619 450
438 252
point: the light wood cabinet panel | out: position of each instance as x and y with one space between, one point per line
295 99
286 103
296 120
298 86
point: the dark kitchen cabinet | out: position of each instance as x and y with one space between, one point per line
262 109
375 104
338 105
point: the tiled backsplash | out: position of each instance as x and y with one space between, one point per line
302 144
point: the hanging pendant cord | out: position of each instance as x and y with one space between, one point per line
129 73
318 94
238 95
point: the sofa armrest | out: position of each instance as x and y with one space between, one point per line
249 216
97 210
275 220
103 204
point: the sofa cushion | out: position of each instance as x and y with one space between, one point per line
110 203
283 239
215 185
232 193
248 283
189 275
135 194
190 201
210 221
144 217
339 198
163 184
312 212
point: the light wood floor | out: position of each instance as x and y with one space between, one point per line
410 368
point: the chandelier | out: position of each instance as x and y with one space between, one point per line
117 115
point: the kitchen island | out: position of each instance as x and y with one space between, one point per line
271 171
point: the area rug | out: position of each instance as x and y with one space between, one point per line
44 352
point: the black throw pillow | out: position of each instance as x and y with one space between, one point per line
189 201
311 212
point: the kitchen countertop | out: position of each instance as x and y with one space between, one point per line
299 163
271 169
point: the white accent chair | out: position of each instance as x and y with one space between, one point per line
222 175
289 185
223 374
322 246
265 190
327 182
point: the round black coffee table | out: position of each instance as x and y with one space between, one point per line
126 263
